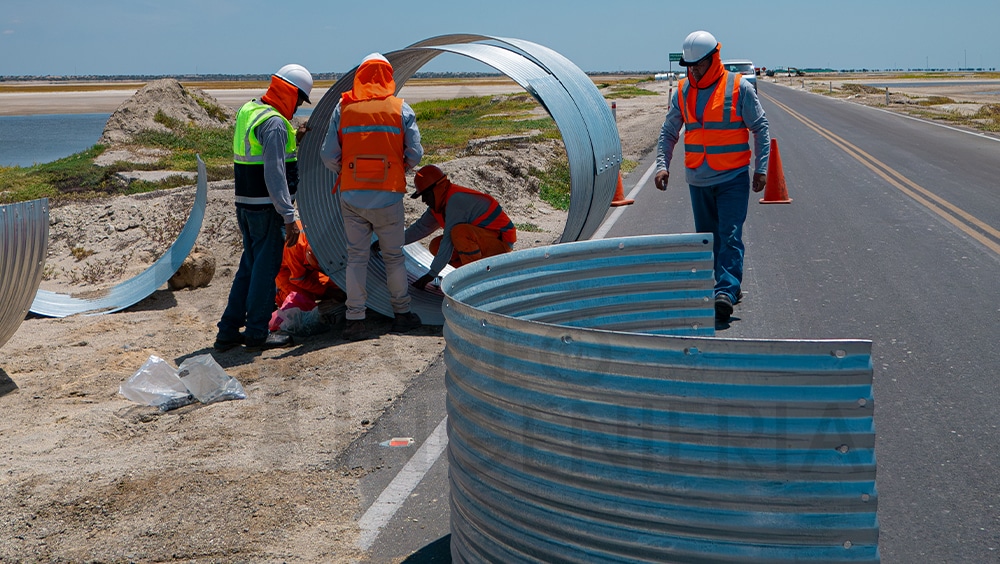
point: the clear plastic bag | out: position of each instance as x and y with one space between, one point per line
302 323
207 381
156 383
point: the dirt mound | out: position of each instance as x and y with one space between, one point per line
161 104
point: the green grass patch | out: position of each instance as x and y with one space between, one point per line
626 91
554 186
628 165
528 227
449 124
935 100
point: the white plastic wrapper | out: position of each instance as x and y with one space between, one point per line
156 383
207 381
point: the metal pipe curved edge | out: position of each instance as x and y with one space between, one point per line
593 171
24 243
594 416
137 288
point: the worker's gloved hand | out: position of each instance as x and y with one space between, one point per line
661 178
759 181
421 283
301 132
376 248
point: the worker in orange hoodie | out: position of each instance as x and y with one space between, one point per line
300 272
475 225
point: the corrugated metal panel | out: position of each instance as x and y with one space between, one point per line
570 442
24 243
134 290
558 85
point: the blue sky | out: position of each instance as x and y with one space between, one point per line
49 37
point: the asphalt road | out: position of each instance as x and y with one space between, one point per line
893 235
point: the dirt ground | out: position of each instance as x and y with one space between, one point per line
89 476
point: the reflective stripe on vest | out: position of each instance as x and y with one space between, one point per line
372 140
494 219
720 137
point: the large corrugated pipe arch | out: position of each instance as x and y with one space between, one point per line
594 417
588 130
24 243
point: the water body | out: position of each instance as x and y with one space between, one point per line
29 140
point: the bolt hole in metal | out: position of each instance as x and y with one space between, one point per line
840 353
843 449
862 402
848 544
567 340
865 498
483 322
691 350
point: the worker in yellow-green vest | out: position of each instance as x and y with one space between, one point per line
267 176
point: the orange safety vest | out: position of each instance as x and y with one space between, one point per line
371 135
495 219
720 137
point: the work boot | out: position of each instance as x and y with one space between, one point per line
405 322
723 307
272 341
356 330
223 344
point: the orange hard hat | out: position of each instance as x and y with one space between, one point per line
426 178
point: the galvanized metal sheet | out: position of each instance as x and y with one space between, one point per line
134 290
654 441
593 177
24 243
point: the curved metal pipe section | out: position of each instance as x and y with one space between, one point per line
134 290
588 129
594 417
24 243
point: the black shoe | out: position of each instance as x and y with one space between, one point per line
405 322
223 344
272 341
356 330
723 307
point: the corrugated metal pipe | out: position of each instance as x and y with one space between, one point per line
593 416
24 243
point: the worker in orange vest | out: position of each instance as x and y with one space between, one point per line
474 224
718 110
300 272
371 142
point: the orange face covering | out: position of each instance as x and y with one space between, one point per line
282 96
713 73
372 81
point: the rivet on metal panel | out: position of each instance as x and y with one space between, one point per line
567 339
848 544
839 353
482 322
621 245
488 268
865 497
691 350
862 402
843 449
546 255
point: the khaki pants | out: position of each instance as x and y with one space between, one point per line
388 224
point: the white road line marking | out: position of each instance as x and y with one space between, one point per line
613 218
395 494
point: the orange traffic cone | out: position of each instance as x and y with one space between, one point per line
775 191
619 199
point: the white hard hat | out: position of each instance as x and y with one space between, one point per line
297 76
375 57
697 46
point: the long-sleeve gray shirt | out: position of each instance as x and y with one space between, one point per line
332 155
462 208
273 136
753 117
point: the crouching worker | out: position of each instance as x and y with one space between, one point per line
475 226
300 272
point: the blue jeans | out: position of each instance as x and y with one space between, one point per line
251 299
721 210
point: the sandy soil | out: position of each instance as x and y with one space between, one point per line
89 476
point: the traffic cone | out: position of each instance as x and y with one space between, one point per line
775 191
619 199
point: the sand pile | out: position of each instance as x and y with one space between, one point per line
162 105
